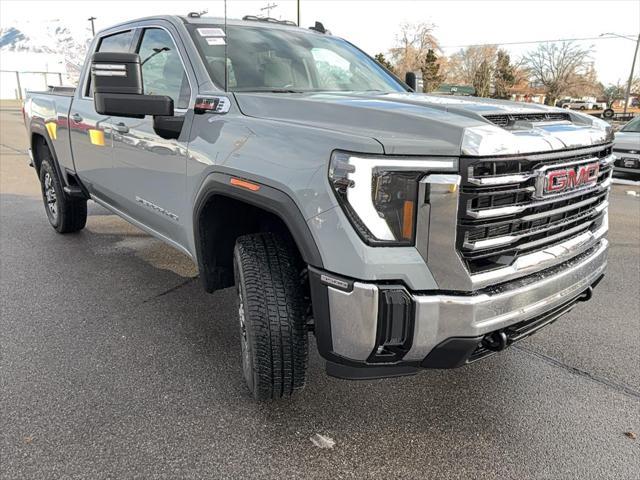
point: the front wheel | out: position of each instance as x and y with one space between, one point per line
271 313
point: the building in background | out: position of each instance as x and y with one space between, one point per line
22 71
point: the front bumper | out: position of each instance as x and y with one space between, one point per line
626 162
353 319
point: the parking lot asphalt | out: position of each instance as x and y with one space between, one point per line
116 364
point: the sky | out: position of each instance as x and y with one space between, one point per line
373 24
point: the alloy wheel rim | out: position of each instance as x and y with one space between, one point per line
50 196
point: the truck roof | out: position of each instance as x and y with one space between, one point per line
210 21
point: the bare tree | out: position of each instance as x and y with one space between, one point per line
585 83
412 46
473 66
557 67
612 92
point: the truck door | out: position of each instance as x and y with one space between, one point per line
91 139
151 171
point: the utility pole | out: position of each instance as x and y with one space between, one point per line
633 66
298 4
268 8
93 28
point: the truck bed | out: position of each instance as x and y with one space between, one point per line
48 111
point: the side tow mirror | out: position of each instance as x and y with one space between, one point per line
118 88
411 80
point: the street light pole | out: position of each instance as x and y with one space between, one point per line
633 66
93 29
298 4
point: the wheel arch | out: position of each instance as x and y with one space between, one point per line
224 212
39 139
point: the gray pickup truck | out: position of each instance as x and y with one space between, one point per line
403 230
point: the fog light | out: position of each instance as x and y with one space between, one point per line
395 325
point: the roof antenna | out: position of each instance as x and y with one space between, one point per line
226 68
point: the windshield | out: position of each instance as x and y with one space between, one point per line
632 126
273 59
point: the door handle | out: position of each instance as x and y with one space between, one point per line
76 117
120 128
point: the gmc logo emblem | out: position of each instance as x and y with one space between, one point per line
553 182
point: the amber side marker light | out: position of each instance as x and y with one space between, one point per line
237 182
407 220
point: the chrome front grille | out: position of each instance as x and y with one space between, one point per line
501 217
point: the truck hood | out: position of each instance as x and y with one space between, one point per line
422 124
627 141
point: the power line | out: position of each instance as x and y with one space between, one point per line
529 42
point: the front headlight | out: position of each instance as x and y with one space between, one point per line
379 195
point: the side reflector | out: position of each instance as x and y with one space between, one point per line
236 182
407 220
52 129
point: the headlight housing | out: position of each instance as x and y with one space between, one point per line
379 195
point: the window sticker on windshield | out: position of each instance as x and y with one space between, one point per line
215 41
211 32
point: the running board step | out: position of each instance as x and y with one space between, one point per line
74 191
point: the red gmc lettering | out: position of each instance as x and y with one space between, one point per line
584 175
556 181
568 179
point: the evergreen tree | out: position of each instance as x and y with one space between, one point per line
431 71
482 79
504 77
382 60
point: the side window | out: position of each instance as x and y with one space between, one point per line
162 70
119 42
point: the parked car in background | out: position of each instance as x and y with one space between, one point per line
582 105
626 148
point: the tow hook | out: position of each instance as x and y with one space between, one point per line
495 341
586 295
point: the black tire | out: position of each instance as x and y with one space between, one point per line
271 313
65 214
582 107
608 113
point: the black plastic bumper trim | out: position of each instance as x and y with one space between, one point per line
348 372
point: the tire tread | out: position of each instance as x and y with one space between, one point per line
275 312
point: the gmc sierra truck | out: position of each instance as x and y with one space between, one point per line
403 230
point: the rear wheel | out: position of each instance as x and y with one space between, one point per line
65 214
271 314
